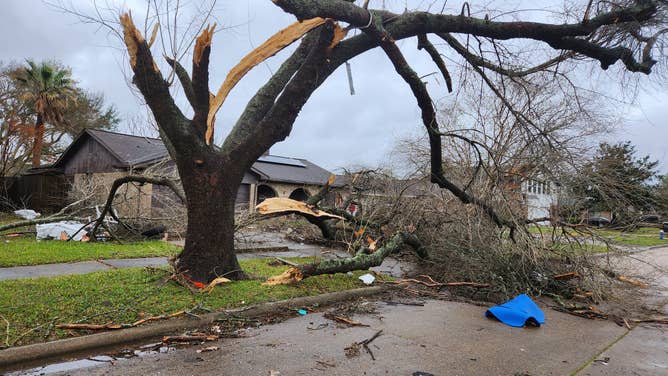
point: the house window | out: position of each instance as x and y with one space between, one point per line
264 192
299 194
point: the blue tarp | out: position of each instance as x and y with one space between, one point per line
519 311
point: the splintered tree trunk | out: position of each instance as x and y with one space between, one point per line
209 248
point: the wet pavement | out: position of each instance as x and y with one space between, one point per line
441 337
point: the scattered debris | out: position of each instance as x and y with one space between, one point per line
27 214
156 318
568 275
302 312
354 348
288 277
367 278
214 283
518 312
343 320
394 303
208 349
662 320
274 373
633 282
196 337
326 364
320 326
603 361
72 229
286 262
420 373
108 326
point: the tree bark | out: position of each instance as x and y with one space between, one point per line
211 194
38 141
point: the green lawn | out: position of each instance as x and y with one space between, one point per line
127 295
641 237
28 251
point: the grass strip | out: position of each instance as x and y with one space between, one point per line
30 308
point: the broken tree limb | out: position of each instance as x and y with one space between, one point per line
633 282
424 43
191 338
361 261
343 320
128 179
284 205
92 326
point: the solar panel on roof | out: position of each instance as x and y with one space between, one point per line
281 160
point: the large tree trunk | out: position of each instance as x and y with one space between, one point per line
38 141
209 249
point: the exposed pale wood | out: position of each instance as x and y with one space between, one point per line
285 205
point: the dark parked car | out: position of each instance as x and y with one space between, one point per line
598 221
650 218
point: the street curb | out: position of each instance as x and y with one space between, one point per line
13 356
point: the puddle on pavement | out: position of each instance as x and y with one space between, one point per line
95 361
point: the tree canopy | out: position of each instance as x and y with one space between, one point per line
39 105
616 179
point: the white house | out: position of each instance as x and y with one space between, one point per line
541 198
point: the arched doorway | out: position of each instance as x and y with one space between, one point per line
264 192
300 194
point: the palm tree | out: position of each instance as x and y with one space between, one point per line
48 89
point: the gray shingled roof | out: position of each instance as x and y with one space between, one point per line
130 150
290 170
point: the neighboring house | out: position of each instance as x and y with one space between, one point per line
96 158
536 196
541 198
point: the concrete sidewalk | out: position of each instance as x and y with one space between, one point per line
441 338
390 266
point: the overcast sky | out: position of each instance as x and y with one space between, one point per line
334 129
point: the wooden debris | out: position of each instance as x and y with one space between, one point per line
633 282
353 349
189 338
372 243
214 283
156 318
568 275
208 349
343 320
108 326
285 205
288 277
659 320
269 48
286 262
